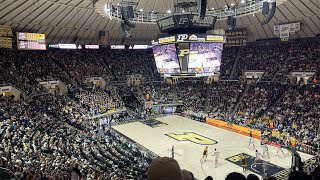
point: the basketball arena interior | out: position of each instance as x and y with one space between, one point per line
159 89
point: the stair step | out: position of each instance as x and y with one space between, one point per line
243 93
207 99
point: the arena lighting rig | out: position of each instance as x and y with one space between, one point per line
112 9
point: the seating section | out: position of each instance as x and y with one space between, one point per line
223 97
131 62
159 93
73 67
297 112
192 95
57 132
228 59
82 64
258 98
261 58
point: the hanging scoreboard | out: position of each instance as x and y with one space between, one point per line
197 55
31 41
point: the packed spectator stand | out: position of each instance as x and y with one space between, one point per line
223 96
159 93
192 94
57 133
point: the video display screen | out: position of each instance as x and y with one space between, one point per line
205 57
31 41
166 58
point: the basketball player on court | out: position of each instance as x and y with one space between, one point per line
279 147
251 140
265 150
264 170
243 162
257 158
205 153
216 155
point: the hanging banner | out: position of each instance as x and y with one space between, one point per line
292 27
284 31
297 25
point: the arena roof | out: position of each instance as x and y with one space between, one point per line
76 21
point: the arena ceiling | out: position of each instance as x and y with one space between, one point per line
75 21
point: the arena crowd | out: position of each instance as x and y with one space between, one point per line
56 136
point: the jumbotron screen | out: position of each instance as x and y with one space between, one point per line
205 57
31 41
166 58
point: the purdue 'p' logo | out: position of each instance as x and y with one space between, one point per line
183 52
182 37
192 137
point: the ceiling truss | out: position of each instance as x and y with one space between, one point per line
76 21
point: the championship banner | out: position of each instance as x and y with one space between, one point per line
5 31
5 42
297 26
284 31
292 27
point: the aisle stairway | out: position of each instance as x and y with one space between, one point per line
137 92
243 93
113 74
235 63
264 113
207 98
65 71
279 69
175 94
141 93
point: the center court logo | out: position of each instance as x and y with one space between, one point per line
192 137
